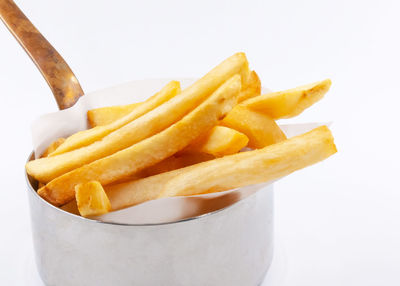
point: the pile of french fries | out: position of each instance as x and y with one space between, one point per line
218 134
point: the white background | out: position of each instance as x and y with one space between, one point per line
339 221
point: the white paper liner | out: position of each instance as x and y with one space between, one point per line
180 208
66 122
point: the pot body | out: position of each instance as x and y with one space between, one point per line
232 246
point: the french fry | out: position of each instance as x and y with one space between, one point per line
289 103
174 162
219 141
107 115
86 137
53 146
251 88
91 199
253 167
149 151
229 172
222 141
135 192
236 64
46 169
259 128
170 164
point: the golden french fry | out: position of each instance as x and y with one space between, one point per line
53 146
255 166
139 191
91 199
251 88
149 151
259 128
86 137
106 115
170 164
46 169
166 165
229 172
174 162
219 141
236 64
289 103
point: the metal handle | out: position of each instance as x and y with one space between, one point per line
62 81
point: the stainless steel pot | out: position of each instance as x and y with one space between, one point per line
231 246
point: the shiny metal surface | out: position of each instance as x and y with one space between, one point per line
232 246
